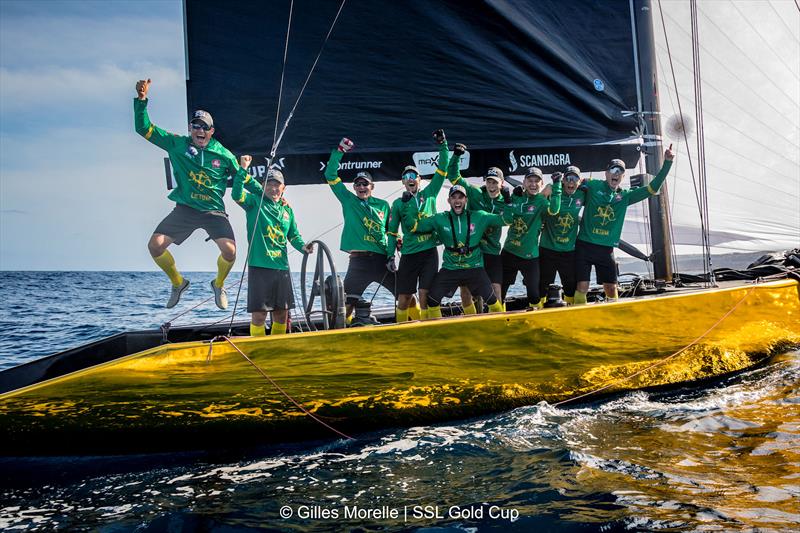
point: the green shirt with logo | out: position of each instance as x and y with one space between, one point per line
527 213
201 174
605 208
561 230
274 225
364 220
457 231
406 212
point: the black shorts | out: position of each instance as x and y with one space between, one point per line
552 262
493 265
183 220
420 266
268 289
447 281
530 274
601 257
366 268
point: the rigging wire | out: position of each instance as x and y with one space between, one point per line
788 29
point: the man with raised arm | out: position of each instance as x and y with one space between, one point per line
492 197
521 249
201 166
601 225
364 231
269 286
419 258
460 230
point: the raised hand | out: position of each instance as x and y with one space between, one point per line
459 149
669 155
345 145
438 136
556 177
245 160
142 86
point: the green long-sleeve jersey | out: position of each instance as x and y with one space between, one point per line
201 174
274 225
605 208
527 213
459 231
406 212
364 220
478 198
561 230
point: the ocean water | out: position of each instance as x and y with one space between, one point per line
721 457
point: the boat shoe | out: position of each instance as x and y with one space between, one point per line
177 291
220 298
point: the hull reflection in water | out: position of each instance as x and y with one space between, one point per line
362 378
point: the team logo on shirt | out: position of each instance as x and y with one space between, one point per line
605 214
276 235
531 208
472 228
617 197
286 217
215 163
201 179
519 226
565 223
578 203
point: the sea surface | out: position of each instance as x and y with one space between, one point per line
721 457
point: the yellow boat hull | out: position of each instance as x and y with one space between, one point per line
175 396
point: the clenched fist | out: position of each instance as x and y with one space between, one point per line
142 86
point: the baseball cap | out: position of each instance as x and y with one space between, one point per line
410 168
363 175
275 175
616 163
572 171
494 173
534 171
457 188
204 117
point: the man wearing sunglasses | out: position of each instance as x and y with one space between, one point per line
557 245
601 225
364 231
201 167
419 258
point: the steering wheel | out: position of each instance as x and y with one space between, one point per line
332 308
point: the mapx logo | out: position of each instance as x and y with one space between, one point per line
427 162
537 160
259 171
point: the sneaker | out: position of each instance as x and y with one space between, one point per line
177 291
220 298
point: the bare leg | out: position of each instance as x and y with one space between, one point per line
158 244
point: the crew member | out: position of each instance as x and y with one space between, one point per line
364 231
492 197
419 258
521 249
601 225
201 166
460 230
557 245
269 285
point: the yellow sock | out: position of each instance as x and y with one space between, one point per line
496 307
402 315
413 313
434 311
542 300
349 319
257 331
423 314
579 298
277 328
470 309
166 263
223 267
569 299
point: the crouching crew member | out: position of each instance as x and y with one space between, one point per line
419 258
364 231
459 230
601 226
521 249
269 286
557 245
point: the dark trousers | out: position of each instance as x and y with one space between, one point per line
447 281
530 274
552 262
366 268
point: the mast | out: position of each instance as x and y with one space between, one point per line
650 118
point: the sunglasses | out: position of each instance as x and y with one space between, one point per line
361 183
409 176
203 127
572 177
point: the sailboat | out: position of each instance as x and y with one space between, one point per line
522 83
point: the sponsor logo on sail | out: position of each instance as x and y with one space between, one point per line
537 160
354 165
427 162
259 171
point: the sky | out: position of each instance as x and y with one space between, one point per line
79 190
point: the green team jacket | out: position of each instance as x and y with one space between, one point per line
274 228
605 208
527 213
479 222
478 198
364 221
561 230
421 205
201 178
